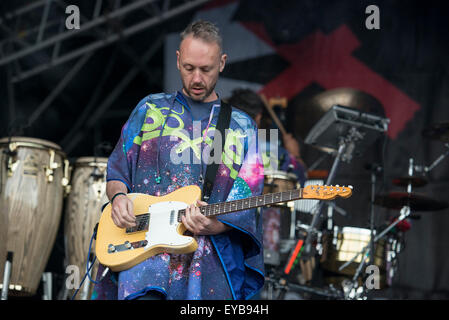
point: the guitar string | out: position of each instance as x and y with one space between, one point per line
235 205
231 206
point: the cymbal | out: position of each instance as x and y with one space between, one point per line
437 131
309 110
416 202
413 180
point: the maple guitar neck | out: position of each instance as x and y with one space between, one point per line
309 192
247 203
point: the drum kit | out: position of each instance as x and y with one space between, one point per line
328 261
35 179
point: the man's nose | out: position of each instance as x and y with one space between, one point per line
197 77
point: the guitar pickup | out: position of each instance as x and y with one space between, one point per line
142 224
126 246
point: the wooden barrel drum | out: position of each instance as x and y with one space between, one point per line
83 211
32 179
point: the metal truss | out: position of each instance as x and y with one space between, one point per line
33 37
40 42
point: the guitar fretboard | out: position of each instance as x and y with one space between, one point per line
247 203
227 207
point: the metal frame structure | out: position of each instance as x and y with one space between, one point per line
162 12
34 34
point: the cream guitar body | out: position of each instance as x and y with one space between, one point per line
164 233
159 227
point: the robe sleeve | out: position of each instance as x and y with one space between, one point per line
244 241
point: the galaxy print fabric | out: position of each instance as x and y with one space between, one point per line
225 266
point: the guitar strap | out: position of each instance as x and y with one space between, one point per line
224 119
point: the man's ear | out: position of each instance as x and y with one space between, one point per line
177 59
223 61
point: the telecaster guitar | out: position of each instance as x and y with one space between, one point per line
159 228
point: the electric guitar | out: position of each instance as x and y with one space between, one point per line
159 228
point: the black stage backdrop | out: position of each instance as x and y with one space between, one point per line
292 49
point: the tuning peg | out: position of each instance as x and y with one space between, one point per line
350 187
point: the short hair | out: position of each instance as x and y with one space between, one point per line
204 30
248 101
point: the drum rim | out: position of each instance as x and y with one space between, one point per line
354 230
278 174
30 142
91 161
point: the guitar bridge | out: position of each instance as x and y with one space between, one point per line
126 246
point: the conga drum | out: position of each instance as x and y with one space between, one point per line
83 211
279 181
32 178
345 244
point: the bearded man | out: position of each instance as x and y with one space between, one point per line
162 129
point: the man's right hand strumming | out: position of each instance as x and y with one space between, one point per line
122 212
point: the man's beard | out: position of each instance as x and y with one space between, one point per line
206 94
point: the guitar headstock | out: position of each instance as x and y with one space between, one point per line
326 192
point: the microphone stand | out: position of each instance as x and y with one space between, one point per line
316 214
344 153
405 212
7 275
369 249
374 170
438 160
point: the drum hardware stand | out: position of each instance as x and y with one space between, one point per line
64 291
86 286
369 249
426 169
352 292
327 132
7 275
343 154
405 212
47 280
271 281
375 169
330 210
291 205
283 286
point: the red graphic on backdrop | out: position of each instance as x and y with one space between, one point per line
327 60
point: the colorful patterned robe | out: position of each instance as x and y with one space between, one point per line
225 266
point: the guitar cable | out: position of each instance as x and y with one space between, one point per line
88 268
